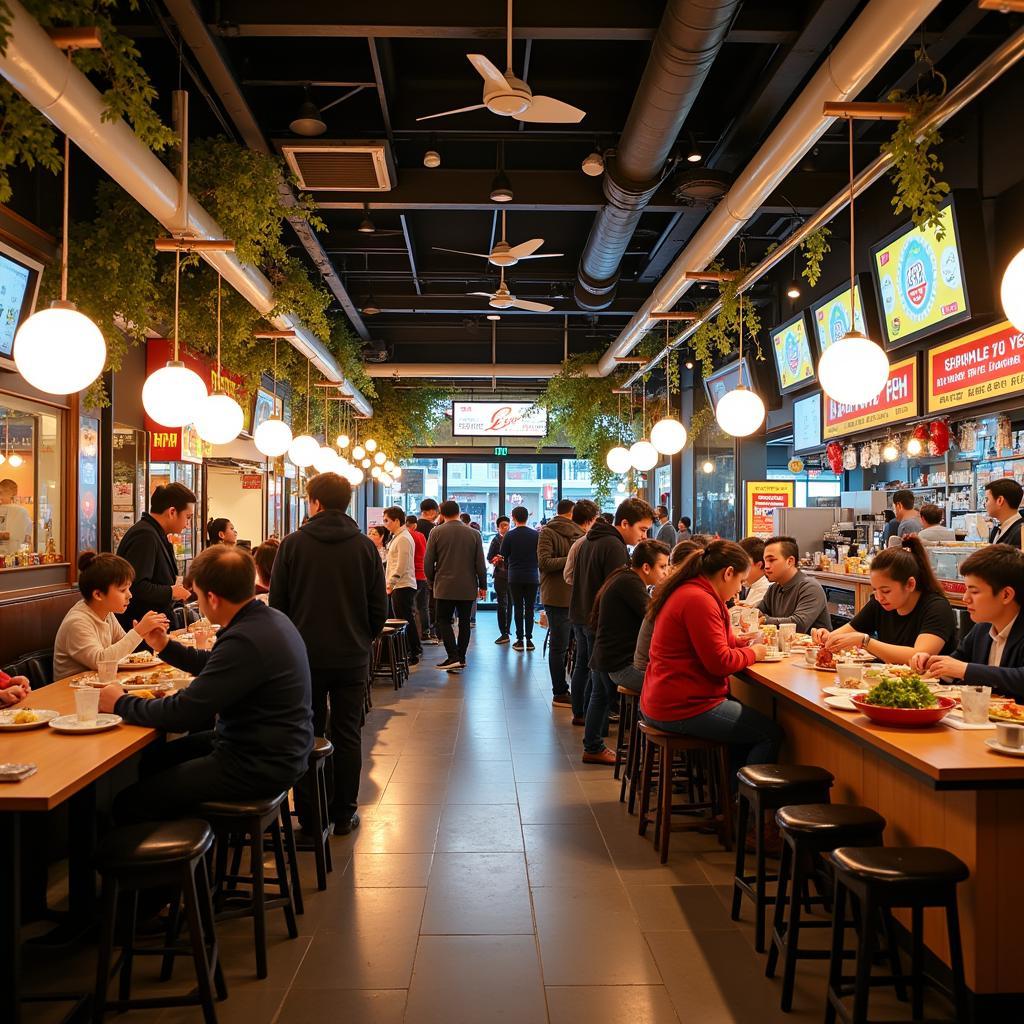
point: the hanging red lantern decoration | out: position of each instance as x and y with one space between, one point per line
938 432
834 454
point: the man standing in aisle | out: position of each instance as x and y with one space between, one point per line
1002 500
422 614
552 551
400 576
328 579
605 549
794 597
429 513
666 531
584 514
151 554
500 575
519 551
454 564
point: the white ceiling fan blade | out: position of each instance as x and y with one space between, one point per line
445 113
487 71
533 307
461 252
524 249
547 110
483 295
542 256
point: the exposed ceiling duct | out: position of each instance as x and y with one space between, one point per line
874 37
521 371
687 43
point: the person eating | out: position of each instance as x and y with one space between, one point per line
907 613
90 631
795 597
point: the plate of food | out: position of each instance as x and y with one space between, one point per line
1006 712
25 718
140 659
800 640
70 723
903 700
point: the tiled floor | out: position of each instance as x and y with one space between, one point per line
497 878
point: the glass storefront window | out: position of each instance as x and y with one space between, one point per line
31 528
421 478
187 543
814 488
663 486
534 486
576 484
715 510
474 485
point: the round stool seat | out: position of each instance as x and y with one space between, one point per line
779 776
396 622
154 844
241 808
627 691
830 822
901 864
388 631
322 747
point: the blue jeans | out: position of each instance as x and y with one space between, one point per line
628 677
602 694
579 685
753 738
558 643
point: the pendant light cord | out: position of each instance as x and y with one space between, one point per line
217 386
668 399
177 284
853 322
275 375
308 366
64 246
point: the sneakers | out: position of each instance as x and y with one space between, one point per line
562 700
450 665
530 646
343 828
604 756
503 639
519 646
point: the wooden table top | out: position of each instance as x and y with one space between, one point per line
947 756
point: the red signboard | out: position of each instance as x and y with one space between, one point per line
252 481
897 401
981 367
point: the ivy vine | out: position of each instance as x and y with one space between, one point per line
815 248
717 335
405 417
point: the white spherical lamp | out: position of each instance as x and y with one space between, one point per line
643 455
668 436
15 460
389 466
375 472
358 453
59 350
366 463
342 440
303 450
853 370
708 467
172 395
326 460
355 476
219 419
620 487
740 412
1011 292
272 438
380 458
618 460
397 472
371 445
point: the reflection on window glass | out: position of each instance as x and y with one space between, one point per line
716 491
421 478
534 486
30 477
576 484
474 485
185 543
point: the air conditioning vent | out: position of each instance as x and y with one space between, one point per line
331 166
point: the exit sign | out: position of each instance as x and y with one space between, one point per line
501 451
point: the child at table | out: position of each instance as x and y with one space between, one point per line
992 653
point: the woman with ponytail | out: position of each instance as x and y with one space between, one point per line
221 531
907 614
694 651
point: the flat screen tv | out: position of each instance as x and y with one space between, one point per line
19 285
807 423
794 362
831 315
726 379
920 280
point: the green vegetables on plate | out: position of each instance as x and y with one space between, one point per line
908 692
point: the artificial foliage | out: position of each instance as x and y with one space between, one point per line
404 417
719 334
815 248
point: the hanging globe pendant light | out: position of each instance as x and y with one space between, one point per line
643 455
273 436
618 460
741 411
1011 291
59 350
219 418
304 448
668 435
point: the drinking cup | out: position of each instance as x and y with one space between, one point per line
203 636
849 674
974 702
787 630
736 618
106 669
1010 734
811 655
87 705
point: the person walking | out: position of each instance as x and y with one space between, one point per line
552 551
519 550
400 577
429 514
420 541
328 579
454 564
500 576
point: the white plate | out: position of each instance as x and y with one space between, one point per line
127 665
773 659
1000 749
844 691
7 718
70 723
840 704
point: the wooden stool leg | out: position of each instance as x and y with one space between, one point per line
292 855
325 843
725 796
128 950
108 922
865 952
282 880
210 927
645 785
779 918
835 963
760 886
170 937
893 954
741 858
318 831
792 937
956 957
619 736
665 801
259 903
198 939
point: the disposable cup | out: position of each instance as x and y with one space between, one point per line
974 702
1010 734
787 630
87 705
106 669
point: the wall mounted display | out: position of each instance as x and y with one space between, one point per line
984 366
898 401
725 379
831 315
265 405
920 280
807 423
498 419
762 498
791 346
19 285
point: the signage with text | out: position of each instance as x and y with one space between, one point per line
498 419
763 497
501 450
793 360
982 367
831 316
897 401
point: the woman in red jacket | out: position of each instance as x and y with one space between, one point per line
694 651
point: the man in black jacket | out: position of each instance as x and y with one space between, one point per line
605 549
500 576
156 587
519 552
328 579
255 681
1002 502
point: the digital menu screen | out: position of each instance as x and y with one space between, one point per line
831 315
727 379
793 360
807 422
920 281
498 419
17 291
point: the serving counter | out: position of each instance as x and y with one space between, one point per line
860 585
936 786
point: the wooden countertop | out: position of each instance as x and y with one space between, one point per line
949 758
848 579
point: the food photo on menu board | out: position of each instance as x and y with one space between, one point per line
921 280
792 348
831 315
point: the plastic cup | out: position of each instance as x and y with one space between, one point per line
87 705
106 669
974 702
203 636
787 630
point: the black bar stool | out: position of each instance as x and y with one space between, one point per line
150 856
883 879
402 627
808 831
386 661
762 788
319 832
242 824
626 744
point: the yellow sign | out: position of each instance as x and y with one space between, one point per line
792 354
763 496
832 317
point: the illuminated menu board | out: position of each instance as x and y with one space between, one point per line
793 360
920 281
831 315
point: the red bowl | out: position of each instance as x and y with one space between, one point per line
905 717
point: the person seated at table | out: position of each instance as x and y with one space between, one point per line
90 630
13 690
907 614
693 653
795 597
221 531
264 557
757 582
255 680
992 653
619 610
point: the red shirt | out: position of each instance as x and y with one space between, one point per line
693 653
420 541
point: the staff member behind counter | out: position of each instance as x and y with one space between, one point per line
907 613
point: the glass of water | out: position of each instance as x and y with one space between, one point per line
106 669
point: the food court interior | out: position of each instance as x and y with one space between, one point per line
731 269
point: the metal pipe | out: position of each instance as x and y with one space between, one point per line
991 68
521 371
882 27
38 70
689 38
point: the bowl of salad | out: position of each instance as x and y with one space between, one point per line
904 700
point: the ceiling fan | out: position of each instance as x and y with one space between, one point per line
505 255
508 96
504 299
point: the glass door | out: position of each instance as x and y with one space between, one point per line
476 486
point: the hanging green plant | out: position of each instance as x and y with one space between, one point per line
700 422
405 417
916 166
717 336
815 248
